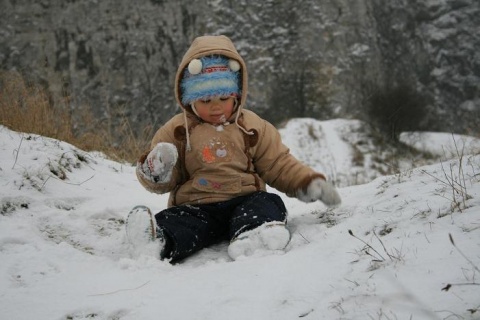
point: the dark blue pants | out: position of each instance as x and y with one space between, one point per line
188 228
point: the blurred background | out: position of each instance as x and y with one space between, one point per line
100 73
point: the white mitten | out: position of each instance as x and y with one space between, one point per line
322 190
160 161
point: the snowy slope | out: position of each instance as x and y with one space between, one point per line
63 253
350 153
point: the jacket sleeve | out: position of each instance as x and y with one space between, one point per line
164 134
277 167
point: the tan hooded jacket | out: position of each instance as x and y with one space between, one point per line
220 163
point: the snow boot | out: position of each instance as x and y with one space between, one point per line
272 236
142 231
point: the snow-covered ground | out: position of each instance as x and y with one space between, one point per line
386 253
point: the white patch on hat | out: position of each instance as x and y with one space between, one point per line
234 65
195 66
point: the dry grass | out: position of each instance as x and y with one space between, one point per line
27 107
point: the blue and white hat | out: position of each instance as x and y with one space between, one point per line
209 77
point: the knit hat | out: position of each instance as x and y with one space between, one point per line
208 77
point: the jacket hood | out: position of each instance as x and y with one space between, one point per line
205 46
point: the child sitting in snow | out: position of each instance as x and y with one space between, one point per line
215 160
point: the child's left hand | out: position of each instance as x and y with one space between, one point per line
322 190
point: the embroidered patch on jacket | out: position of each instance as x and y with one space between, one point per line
217 150
207 184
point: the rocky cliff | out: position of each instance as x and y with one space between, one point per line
319 59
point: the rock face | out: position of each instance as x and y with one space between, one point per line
319 59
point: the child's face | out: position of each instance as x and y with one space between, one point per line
216 110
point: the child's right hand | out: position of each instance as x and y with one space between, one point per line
160 162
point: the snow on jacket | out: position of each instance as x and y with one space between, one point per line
224 161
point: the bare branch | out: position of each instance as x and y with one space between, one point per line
17 151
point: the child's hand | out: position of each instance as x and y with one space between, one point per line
160 162
322 190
